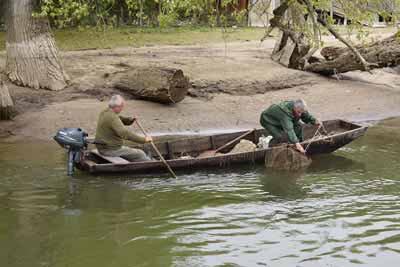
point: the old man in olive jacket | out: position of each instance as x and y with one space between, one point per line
111 133
283 122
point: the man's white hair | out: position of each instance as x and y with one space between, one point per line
300 104
115 101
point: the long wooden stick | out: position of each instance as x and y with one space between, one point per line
157 151
234 140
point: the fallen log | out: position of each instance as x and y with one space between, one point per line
292 48
332 52
379 54
164 85
6 104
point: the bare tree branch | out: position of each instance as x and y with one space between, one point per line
275 21
367 66
316 30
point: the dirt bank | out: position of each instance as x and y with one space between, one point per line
230 88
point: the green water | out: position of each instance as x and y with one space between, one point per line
343 211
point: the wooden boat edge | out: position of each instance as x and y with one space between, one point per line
93 167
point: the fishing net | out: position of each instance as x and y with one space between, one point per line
286 158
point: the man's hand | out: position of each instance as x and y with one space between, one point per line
300 148
318 123
148 139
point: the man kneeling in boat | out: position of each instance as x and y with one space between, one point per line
111 133
283 122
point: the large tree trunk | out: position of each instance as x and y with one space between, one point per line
292 45
380 54
2 13
32 56
332 52
164 85
294 50
290 49
6 104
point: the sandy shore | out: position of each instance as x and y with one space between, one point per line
244 71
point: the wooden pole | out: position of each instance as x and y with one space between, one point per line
234 140
157 151
6 103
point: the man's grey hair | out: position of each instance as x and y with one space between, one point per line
300 104
115 101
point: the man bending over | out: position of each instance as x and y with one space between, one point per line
283 122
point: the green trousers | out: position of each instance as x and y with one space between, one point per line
280 136
128 153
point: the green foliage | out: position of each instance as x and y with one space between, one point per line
105 14
64 12
164 13
167 20
361 13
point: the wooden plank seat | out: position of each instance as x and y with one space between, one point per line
114 160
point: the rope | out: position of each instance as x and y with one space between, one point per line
314 137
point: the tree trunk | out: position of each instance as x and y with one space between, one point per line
140 13
2 13
159 12
332 52
164 85
32 56
218 12
380 54
283 50
292 46
6 104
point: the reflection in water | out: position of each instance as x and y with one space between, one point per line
341 211
71 203
334 162
286 184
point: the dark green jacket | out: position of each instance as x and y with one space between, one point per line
111 130
282 115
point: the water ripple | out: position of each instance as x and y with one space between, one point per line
342 211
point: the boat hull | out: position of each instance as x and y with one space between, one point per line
346 133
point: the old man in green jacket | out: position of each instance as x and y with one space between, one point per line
283 122
111 133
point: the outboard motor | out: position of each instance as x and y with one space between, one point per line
74 140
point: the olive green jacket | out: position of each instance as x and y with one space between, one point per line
112 132
282 115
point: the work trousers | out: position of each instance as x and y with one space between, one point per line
128 153
280 135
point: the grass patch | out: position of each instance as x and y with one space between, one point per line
74 39
90 38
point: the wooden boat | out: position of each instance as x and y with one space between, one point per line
184 154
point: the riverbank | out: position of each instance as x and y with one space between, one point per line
231 84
